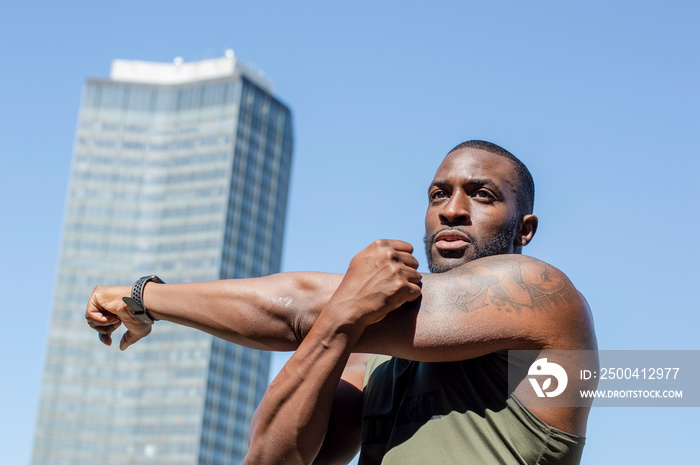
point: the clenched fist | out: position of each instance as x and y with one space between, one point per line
106 311
380 279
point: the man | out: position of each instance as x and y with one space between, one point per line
444 397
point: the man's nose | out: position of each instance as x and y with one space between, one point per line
456 211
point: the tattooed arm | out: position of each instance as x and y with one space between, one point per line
491 304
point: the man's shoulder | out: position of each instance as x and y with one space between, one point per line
523 264
539 295
542 282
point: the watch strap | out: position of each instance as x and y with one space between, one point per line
135 302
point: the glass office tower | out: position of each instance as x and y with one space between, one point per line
180 170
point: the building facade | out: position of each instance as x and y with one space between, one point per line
180 170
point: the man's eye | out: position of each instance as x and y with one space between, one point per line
438 195
484 194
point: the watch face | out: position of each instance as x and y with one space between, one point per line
137 310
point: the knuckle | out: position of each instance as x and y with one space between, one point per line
378 244
395 268
400 283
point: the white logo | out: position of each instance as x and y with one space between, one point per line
542 367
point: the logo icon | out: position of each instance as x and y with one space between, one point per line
542 367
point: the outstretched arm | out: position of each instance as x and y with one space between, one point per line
290 424
269 313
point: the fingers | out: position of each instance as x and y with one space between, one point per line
399 250
98 321
105 332
96 313
414 286
106 339
97 317
103 322
408 274
105 328
402 252
396 244
106 312
407 259
414 277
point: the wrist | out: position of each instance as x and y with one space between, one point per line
153 301
135 301
335 322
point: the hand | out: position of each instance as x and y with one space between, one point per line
106 311
380 279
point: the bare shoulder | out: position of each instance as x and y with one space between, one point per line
511 283
505 302
540 296
511 301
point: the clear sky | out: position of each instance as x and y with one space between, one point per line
599 99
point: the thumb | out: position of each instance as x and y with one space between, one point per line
130 338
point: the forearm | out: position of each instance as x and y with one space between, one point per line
269 313
292 420
290 424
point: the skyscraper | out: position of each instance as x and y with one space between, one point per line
181 170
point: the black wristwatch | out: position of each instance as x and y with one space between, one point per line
135 302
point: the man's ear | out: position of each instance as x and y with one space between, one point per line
526 231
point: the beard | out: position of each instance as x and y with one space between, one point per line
497 245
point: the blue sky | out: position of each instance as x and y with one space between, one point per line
599 99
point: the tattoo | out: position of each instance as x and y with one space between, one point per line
510 284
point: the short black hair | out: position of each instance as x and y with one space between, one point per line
526 185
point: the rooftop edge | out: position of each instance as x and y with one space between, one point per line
179 72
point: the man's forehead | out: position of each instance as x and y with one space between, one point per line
471 163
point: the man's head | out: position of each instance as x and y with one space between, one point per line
480 204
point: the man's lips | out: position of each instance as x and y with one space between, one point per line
451 240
